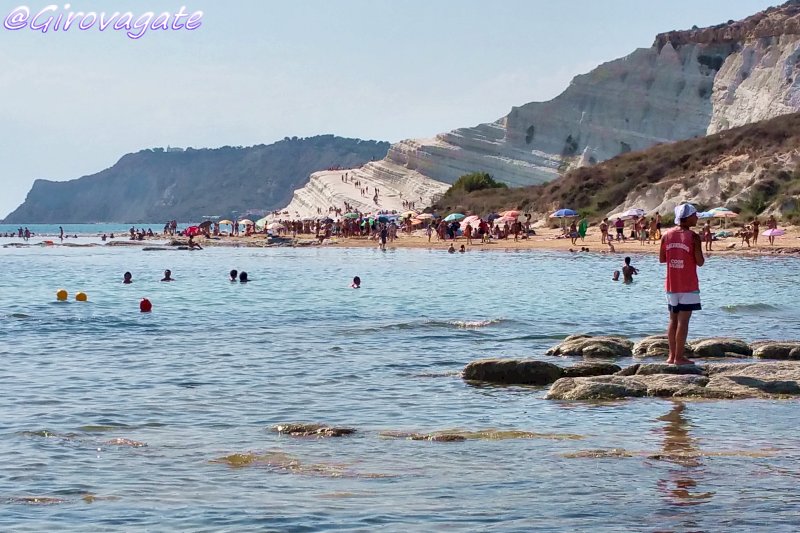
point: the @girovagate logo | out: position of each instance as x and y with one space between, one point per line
54 18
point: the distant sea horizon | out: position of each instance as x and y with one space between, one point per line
87 229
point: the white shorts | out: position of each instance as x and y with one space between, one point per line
683 301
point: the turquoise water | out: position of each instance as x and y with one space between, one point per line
81 230
217 364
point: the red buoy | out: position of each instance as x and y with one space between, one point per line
145 306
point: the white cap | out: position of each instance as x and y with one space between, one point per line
684 211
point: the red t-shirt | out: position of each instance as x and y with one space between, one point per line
681 265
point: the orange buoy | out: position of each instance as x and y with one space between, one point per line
145 306
81 297
62 295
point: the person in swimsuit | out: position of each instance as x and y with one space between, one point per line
127 278
628 271
234 275
756 225
168 276
682 252
356 283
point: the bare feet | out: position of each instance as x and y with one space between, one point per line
683 361
670 361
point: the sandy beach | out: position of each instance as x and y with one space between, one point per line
545 239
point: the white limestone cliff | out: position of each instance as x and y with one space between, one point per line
688 84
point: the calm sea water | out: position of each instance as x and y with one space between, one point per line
217 364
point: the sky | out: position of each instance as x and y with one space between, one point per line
256 71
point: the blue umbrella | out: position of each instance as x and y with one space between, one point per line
564 213
453 216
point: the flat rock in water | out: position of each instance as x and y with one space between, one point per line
776 349
582 370
312 430
602 347
655 346
722 381
512 372
720 347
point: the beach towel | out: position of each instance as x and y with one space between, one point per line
582 228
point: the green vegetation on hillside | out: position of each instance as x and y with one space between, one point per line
597 189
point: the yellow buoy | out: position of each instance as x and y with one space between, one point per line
81 297
62 295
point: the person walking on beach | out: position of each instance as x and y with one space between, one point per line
772 224
682 252
707 237
756 225
604 231
61 235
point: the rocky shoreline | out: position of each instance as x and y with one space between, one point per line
603 380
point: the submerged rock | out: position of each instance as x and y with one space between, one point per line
312 430
458 435
776 350
126 442
720 347
593 347
512 372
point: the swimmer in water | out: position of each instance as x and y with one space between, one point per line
628 271
462 249
452 249
243 277
234 275
615 277
356 283
127 278
168 276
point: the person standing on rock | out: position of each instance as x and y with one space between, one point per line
682 252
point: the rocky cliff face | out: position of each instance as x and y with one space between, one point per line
154 185
687 84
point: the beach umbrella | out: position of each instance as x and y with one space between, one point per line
453 216
246 222
492 216
226 221
409 214
774 232
564 213
633 213
351 215
276 226
704 214
205 224
722 212
424 216
510 214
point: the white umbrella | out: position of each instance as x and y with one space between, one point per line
633 213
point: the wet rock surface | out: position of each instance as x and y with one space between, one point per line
512 372
589 369
590 347
720 347
776 350
717 381
312 430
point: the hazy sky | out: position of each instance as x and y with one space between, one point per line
256 71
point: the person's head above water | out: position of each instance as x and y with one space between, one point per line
627 260
127 278
167 275
356 283
234 275
243 277
615 277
